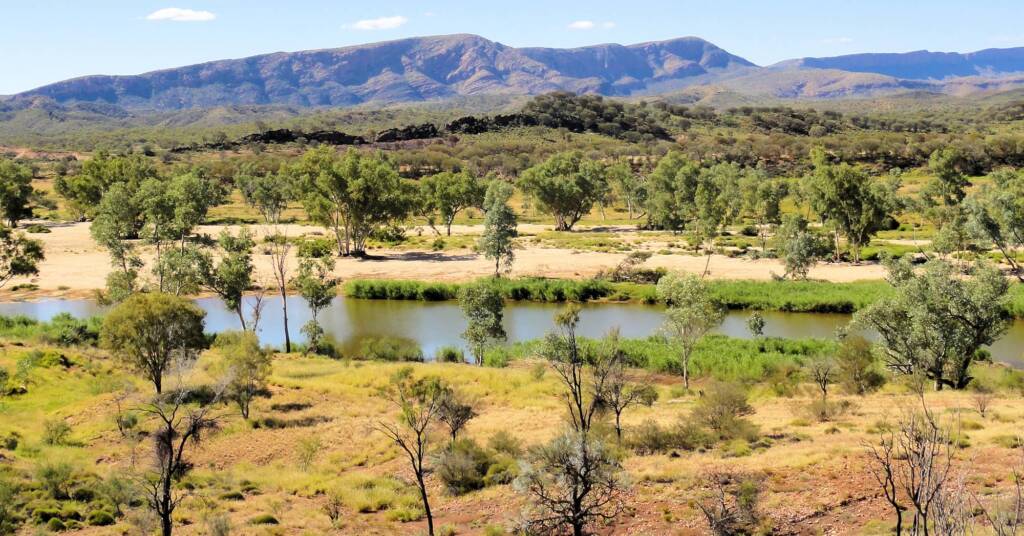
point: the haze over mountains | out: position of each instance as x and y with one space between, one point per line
442 67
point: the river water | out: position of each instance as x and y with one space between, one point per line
437 324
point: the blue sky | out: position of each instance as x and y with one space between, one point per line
45 41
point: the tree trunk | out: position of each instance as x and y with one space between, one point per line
686 372
284 307
426 503
241 315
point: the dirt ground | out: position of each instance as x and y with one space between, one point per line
76 266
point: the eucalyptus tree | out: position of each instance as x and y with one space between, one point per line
231 274
352 195
935 323
567 186
151 331
998 212
444 195
672 187
15 191
114 227
632 187
484 306
269 194
318 286
692 312
84 191
19 255
854 203
498 239
762 202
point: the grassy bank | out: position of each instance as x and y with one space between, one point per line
797 296
789 296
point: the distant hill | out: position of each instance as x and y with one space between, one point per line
923 64
407 70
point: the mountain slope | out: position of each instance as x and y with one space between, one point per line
922 64
406 70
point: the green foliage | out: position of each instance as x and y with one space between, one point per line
231 275
15 191
389 349
692 312
149 331
246 365
264 519
594 113
56 432
353 195
799 247
318 287
465 466
19 256
63 329
936 322
483 306
444 195
449 354
858 366
722 409
500 222
269 193
98 175
567 186
651 438
849 199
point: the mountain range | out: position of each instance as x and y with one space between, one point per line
454 66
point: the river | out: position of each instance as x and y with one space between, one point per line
437 324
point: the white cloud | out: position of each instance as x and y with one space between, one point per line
382 23
837 40
177 14
590 25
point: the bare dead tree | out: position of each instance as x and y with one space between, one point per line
982 399
180 427
618 392
256 306
574 481
419 404
913 464
583 383
823 372
730 507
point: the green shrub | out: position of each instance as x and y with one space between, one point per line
651 438
462 467
505 443
316 248
56 525
10 441
497 357
37 228
55 478
56 432
389 349
264 519
722 409
450 354
99 518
